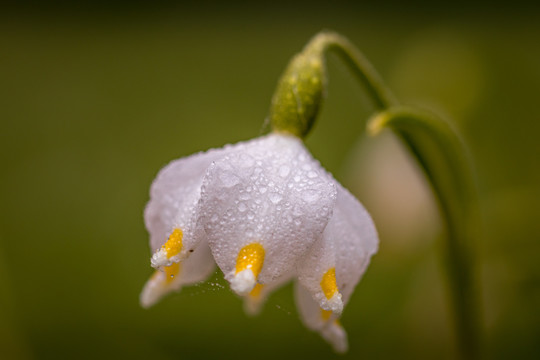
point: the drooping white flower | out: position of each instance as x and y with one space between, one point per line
266 212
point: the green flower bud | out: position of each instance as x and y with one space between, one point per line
299 95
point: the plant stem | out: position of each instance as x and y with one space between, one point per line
358 64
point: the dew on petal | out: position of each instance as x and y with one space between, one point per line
275 198
228 179
312 175
284 170
310 196
242 207
246 160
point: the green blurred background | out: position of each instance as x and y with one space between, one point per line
95 98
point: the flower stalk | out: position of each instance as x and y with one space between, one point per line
435 145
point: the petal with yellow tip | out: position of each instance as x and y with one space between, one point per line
270 191
173 206
171 278
338 260
249 263
323 321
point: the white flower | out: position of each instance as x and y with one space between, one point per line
266 212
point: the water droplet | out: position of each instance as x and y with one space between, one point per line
284 170
242 207
262 189
275 197
312 174
297 210
228 180
310 196
247 161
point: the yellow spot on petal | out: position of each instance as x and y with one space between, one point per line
171 272
256 292
250 257
325 314
328 283
173 246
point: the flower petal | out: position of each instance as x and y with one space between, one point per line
172 210
324 322
269 192
194 269
356 241
338 260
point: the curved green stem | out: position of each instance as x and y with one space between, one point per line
357 63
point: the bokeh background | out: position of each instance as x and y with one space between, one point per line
96 97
